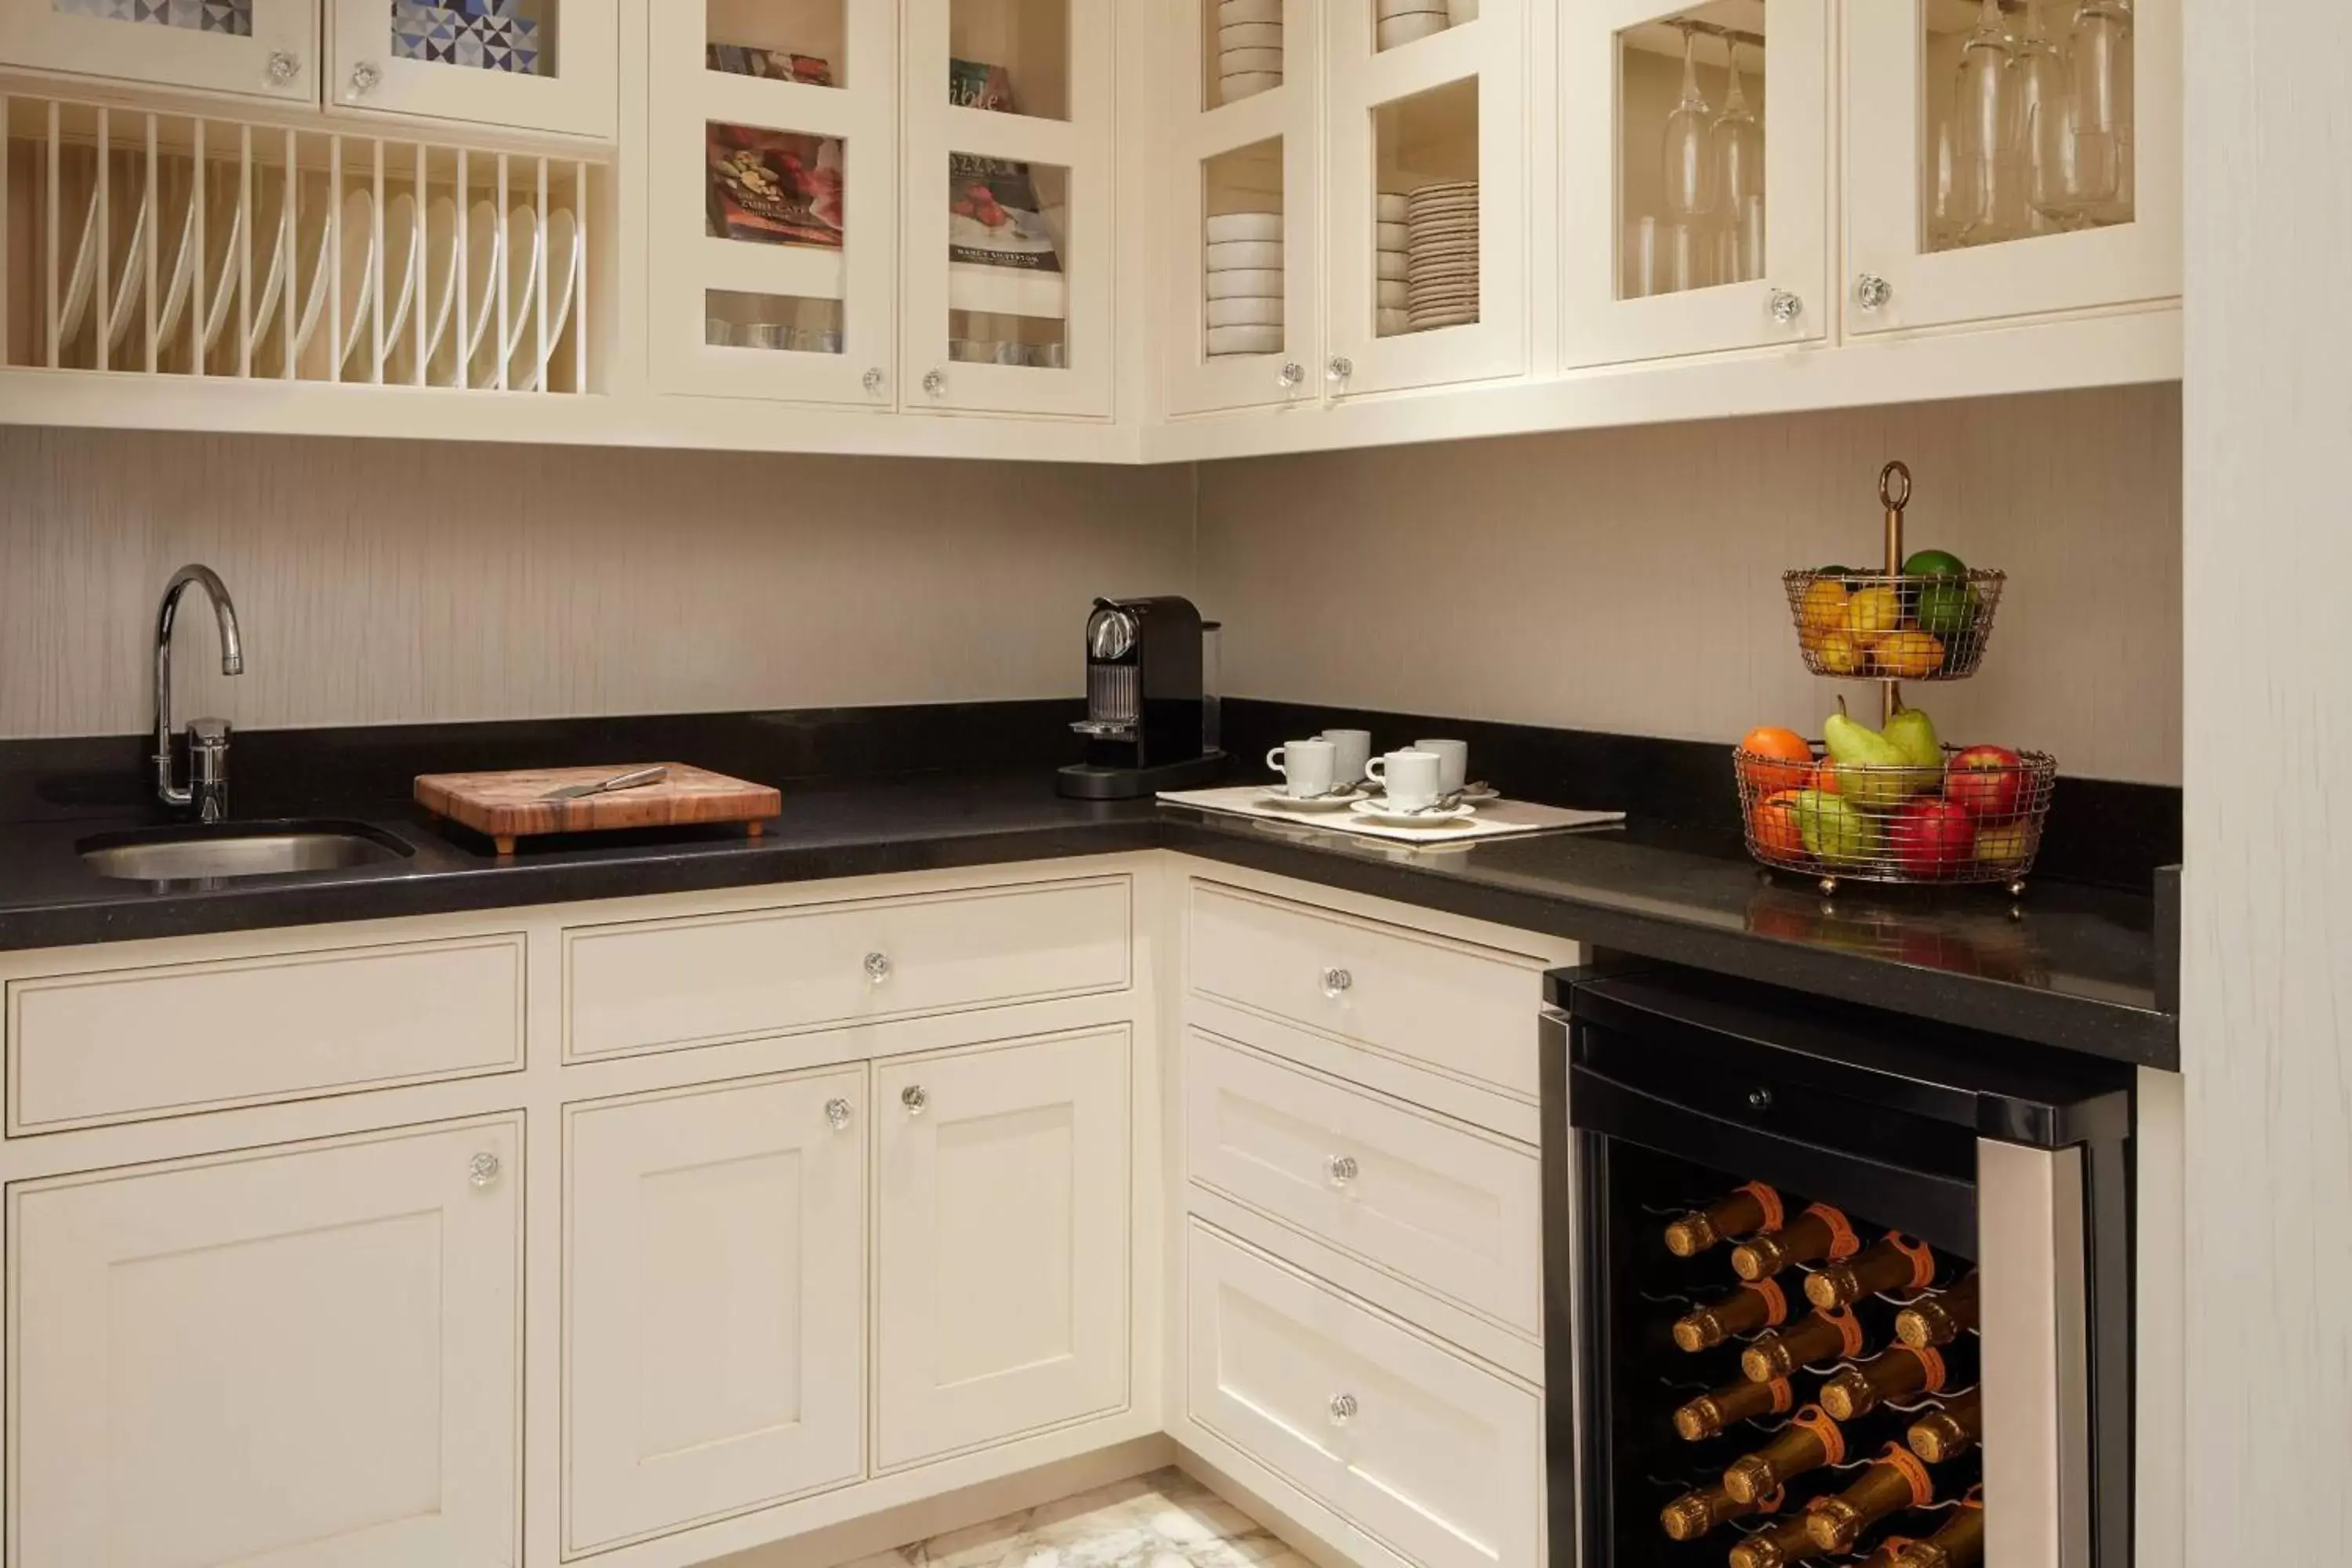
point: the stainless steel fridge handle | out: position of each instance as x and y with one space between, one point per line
2034 1320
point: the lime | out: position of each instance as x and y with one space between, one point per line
1947 609
1934 564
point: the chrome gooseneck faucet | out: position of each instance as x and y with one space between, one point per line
207 786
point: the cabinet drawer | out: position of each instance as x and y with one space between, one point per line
1440 1458
1456 1211
697 981
126 1045
1463 1009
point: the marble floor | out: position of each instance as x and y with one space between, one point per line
1165 1520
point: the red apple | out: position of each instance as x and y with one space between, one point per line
1985 781
1932 838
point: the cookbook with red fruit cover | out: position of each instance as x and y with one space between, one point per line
993 216
778 187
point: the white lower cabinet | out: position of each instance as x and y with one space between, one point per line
1002 1252
715 1292
302 1358
1432 1454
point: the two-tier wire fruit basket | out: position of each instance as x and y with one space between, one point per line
1912 810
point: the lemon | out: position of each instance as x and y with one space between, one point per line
1873 614
1824 607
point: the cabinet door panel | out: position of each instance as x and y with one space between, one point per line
715 1298
537 65
261 49
1652 273
303 1358
1957 238
1004 1254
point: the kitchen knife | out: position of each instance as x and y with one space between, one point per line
636 780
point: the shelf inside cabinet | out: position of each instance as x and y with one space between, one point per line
1011 57
804 42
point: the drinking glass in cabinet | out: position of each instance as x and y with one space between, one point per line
787 323
1396 23
1691 94
1008 227
1011 57
1425 217
2030 119
1243 269
1240 49
802 41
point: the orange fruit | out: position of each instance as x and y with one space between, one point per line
1825 777
1912 654
1773 759
1774 824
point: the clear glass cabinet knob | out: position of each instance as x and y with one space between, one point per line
1786 307
284 66
934 383
914 1096
1343 1409
872 380
1340 1169
836 1112
1873 292
1336 982
877 967
365 78
1291 374
483 1170
1340 368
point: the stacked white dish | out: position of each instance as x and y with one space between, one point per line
1393 263
1442 255
1244 283
1407 21
1249 47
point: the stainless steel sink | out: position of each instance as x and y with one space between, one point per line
226 850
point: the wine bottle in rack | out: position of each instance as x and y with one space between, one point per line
1898 1376
1895 1263
1950 1430
1939 1319
1820 1234
1778 1546
1752 1208
1811 1441
1840 1333
1694 1514
1763 1305
1709 1414
1959 1544
1896 1482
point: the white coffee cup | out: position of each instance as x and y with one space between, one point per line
1411 778
1355 750
1455 756
1305 767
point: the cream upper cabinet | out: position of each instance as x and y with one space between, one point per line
1426 207
1244 206
307 1358
1694 161
714 1302
261 49
532 65
1002 1252
774 144
1007 269
2005 162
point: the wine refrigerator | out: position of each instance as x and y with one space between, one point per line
1828 1285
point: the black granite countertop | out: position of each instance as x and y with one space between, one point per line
2077 968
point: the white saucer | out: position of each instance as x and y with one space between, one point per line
1275 797
1378 811
1474 794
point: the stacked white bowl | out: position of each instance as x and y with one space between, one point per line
1249 47
1404 21
1442 255
1393 264
1244 283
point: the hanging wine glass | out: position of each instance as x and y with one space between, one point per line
2042 93
1985 131
1736 151
1689 183
2100 42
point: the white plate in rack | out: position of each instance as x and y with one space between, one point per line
563 240
224 241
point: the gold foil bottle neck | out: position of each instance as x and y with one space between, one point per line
1690 1236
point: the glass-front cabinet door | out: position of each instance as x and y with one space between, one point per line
1696 166
1426 238
2009 158
263 48
538 65
774 198
1243 213
1007 293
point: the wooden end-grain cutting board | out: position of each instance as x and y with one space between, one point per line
507 807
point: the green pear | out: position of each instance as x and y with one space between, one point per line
1832 830
1873 772
1913 734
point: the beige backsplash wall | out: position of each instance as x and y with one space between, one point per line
381 581
1629 580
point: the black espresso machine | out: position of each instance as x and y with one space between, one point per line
1146 727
